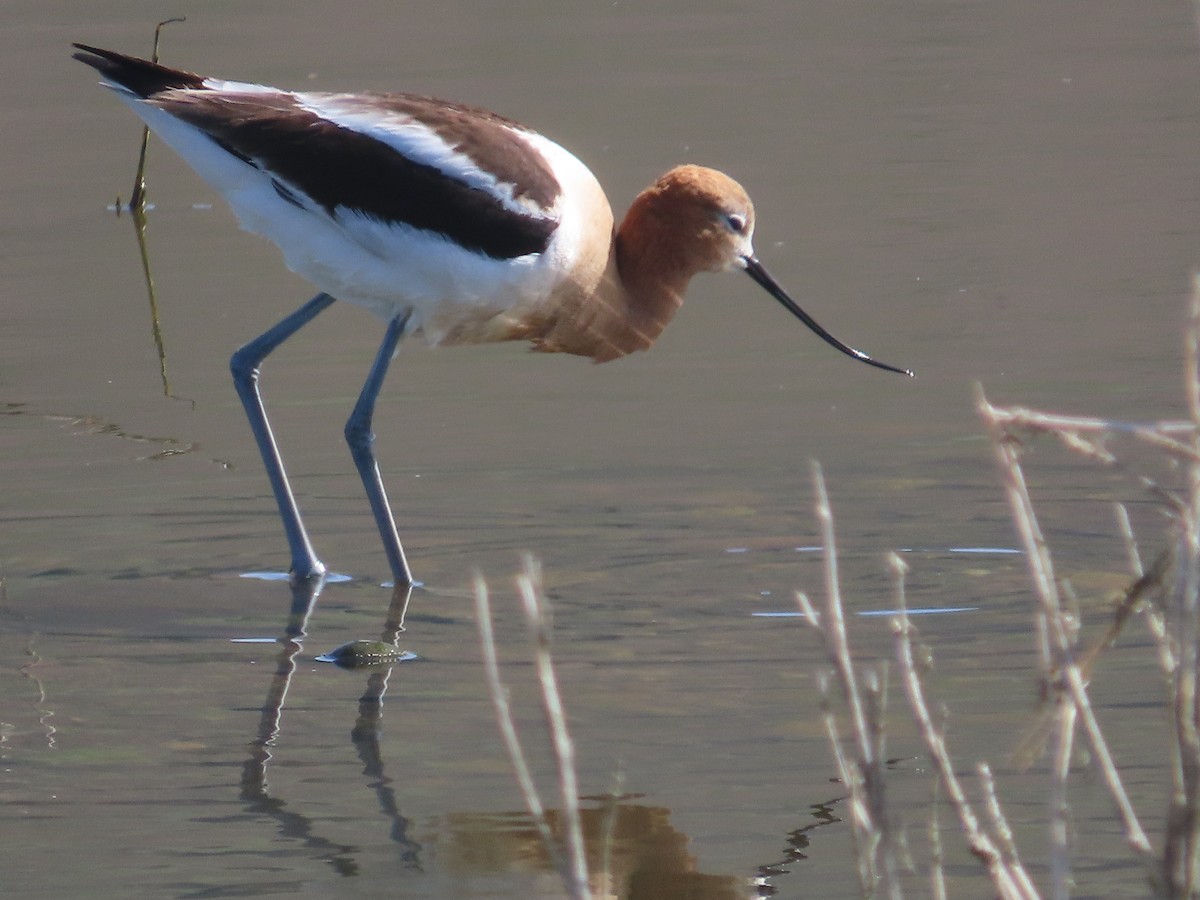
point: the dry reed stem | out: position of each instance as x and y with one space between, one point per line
573 869
864 778
1070 430
1002 831
1037 551
834 630
1125 529
1004 866
863 833
1145 584
529 585
1050 609
937 868
1153 615
1191 355
1009 882
1176 628
1179 862
1059 805
506 723
1176 632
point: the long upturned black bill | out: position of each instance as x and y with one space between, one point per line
756 271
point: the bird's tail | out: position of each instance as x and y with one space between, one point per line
137 76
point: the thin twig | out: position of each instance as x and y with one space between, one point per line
1179 863
1005 882
137 197
1065 717
507 725
1051 609
835 620
1151 613
937 867
1149 581
1156 434
1003 832
864 776
863 832
1191 356
533 601
1125 529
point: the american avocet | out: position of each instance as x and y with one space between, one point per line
448 221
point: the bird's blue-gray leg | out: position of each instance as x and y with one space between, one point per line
361 439
244 365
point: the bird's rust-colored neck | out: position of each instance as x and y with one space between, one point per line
691 220
662 243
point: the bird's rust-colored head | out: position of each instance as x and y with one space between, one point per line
695 219
692 219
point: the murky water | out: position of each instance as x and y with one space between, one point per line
994 193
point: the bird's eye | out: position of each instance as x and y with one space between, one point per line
736 223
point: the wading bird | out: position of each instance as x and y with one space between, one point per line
447 221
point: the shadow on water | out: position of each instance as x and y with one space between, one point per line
633 851
364 736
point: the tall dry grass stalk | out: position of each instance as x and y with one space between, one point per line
862 770
1165 597
570 861
861 765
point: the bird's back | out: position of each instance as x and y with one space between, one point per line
483 228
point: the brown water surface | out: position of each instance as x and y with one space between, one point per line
1002 193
